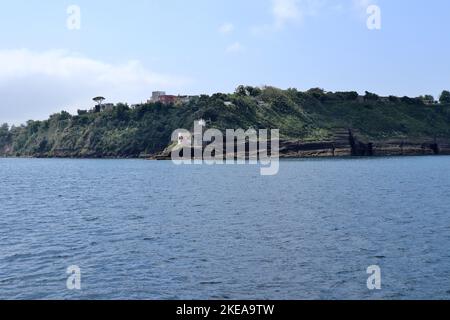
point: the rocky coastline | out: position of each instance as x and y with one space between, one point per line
347 143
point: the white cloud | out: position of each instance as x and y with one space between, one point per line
294 12
363 3
286 11
360 6
235 48
289 12
35 84
226 28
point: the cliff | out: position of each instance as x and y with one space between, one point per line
312 124
345 144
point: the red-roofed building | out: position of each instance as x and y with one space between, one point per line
168 99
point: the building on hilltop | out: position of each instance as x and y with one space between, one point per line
162 97
107 106
184 99
168 99
156 95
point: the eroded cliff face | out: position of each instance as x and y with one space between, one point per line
346 143
352 145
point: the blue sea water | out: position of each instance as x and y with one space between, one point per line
153 230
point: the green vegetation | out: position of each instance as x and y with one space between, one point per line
314 115
5 137
445 97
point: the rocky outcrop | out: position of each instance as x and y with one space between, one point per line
349 143
408 148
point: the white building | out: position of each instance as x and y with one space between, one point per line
184 99
156 95
108 106
184 139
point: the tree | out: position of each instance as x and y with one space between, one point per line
408 100
64 115
348 96
4 128
99 100
317 93
445 97
253 91
121 112
241 91
98 106
5 136
371 96
219 96
427 99
394 99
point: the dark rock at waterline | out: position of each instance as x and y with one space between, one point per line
346 143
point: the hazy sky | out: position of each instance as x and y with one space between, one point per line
126 49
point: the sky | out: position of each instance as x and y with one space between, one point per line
53 59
